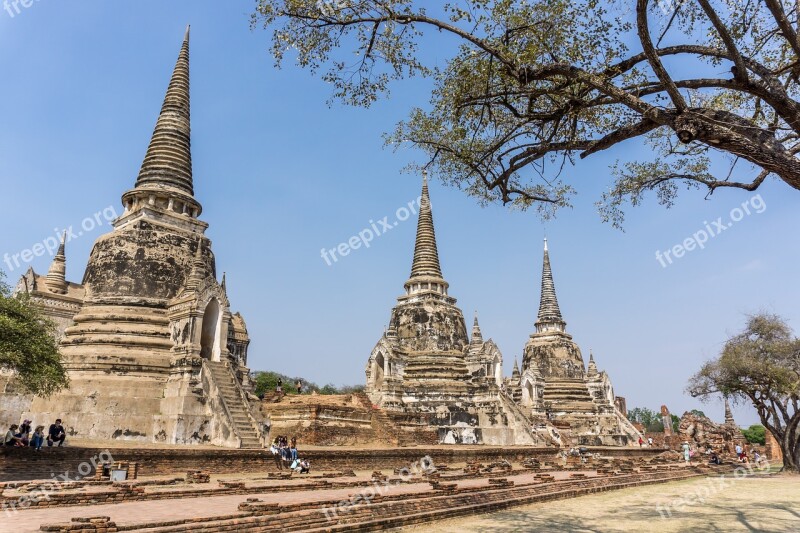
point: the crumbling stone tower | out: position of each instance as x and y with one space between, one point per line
426 364
555 384
154 353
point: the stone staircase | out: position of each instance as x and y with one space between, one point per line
523 424
243 424
570 395
425 368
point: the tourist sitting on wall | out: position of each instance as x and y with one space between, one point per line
715 460
305 466
56 434
12 437
38 438
293 449
276 453
25 431
286 455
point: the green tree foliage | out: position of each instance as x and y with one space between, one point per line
710 87
266 382
28 346
755 434
651 419
698 412
760 365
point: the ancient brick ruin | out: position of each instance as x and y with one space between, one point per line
704 434
555 385
155 354
152 349
426 364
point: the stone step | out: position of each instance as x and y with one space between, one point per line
235 404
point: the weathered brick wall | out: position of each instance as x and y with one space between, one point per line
25 464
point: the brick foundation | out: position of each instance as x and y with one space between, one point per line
25 464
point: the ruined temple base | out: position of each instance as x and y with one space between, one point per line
158 460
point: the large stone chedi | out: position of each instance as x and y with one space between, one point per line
554 383
154 353
425 363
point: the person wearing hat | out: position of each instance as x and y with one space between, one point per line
38 438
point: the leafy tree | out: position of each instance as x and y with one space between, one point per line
676 422
267 382
328 389
698 412
534 85
760 365
351 389
755 434
649 418
28 345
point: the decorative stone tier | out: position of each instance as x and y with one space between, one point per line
568 396
147 258
427 369
554 355
429 322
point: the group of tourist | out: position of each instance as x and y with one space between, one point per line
20 436
279 389
285 453
742 457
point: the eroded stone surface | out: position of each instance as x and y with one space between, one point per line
151 347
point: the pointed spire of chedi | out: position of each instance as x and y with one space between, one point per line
476 341
477 336
426 274
56 277
168 162
549 317
592 368
728 414
197 273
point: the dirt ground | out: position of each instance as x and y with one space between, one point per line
759 503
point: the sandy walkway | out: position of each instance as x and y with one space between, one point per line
755 504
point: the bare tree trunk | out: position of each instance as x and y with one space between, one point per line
791 454
789 443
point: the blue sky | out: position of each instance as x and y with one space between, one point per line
281 175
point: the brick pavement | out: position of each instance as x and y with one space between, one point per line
127 513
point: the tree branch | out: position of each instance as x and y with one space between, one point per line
741 70
652 56
788 32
